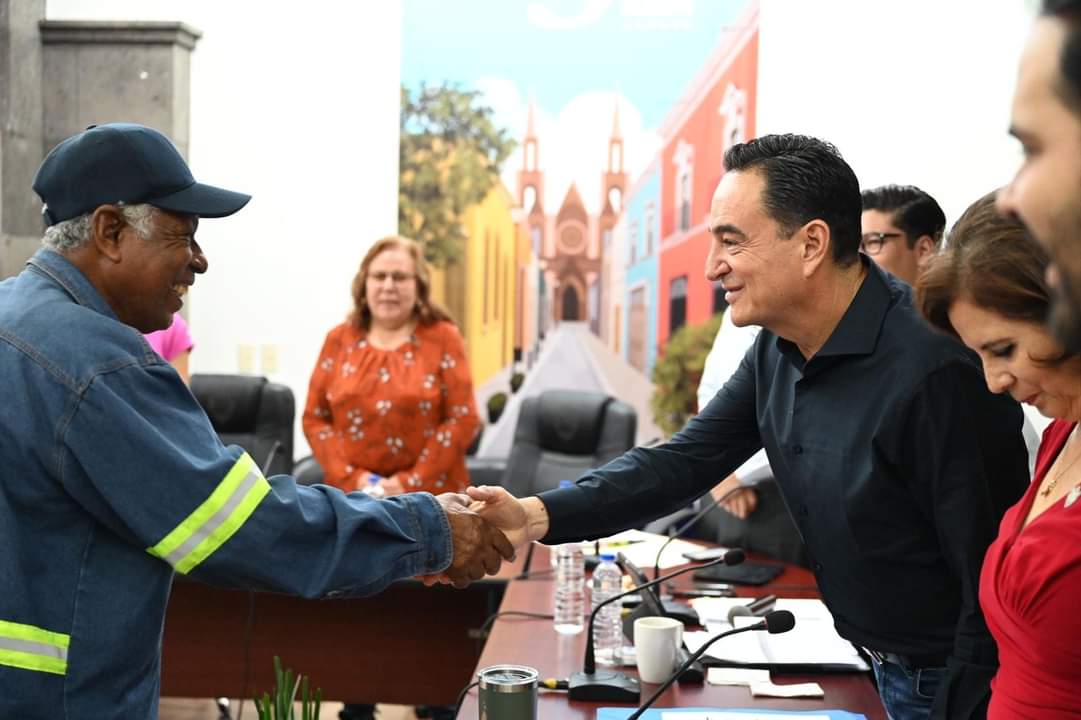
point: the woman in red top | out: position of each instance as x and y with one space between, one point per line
988 288
391 394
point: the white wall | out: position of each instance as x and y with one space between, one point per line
915 92
296 104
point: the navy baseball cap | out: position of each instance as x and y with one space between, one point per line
124 164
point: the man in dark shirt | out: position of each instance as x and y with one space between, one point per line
893 458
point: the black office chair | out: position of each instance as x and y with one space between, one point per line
253 413
559 435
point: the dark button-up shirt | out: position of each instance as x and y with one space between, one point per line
894 459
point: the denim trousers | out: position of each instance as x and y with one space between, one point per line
907 693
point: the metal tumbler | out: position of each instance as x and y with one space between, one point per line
507 692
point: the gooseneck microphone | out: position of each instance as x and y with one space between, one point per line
760 607
690 524
610 685
778 621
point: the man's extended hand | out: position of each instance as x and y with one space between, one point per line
478 546
522 521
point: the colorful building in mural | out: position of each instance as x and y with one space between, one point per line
627 257
480 288
640 267
613 265
569 240
716 112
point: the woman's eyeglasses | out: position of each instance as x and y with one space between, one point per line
398 277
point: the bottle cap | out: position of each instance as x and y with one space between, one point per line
608 557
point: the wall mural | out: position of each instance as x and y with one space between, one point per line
557 162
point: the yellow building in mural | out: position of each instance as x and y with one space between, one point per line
479 289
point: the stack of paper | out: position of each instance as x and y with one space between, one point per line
813 644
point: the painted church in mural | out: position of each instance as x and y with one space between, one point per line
568 241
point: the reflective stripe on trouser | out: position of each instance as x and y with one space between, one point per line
212 523
31 648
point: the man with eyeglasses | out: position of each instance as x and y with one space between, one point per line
902 227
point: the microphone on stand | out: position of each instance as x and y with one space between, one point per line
778 621
610 685
760 607
691 523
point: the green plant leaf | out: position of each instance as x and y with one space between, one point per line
678 372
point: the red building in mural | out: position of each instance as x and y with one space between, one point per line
717 111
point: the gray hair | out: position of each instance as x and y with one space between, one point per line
70 235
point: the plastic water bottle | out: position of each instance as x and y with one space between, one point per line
570 596
552 555
374 487
607 626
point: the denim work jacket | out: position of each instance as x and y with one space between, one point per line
113 479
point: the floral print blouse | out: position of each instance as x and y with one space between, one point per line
407 412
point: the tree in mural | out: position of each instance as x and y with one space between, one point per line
678 372
450 156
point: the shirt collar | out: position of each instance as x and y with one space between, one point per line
62 271
858 331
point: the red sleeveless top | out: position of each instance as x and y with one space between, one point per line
1030 592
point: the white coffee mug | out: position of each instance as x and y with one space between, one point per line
656 644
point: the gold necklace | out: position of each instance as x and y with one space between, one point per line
1062 473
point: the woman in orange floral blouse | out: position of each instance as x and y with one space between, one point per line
392 394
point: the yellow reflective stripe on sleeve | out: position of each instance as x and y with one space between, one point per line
215 521
31 648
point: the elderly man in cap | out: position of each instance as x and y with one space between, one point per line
113 477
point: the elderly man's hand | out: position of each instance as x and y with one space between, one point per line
479 548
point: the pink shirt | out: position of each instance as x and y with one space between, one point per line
172 341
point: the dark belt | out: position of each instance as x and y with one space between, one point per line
912 662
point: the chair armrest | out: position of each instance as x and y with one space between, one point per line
307 471
486 471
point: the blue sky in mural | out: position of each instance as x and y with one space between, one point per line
553 50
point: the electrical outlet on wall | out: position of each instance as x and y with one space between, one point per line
269 359
245 359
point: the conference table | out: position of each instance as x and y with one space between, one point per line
415 645
534 642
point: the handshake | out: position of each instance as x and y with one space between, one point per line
487 525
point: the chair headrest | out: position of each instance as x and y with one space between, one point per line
571 421
230 401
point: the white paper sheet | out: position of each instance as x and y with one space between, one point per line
736 676
768 689
813 640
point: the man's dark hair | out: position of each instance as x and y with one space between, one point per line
914 212
806 179
1069 64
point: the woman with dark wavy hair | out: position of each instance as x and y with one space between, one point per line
988 289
